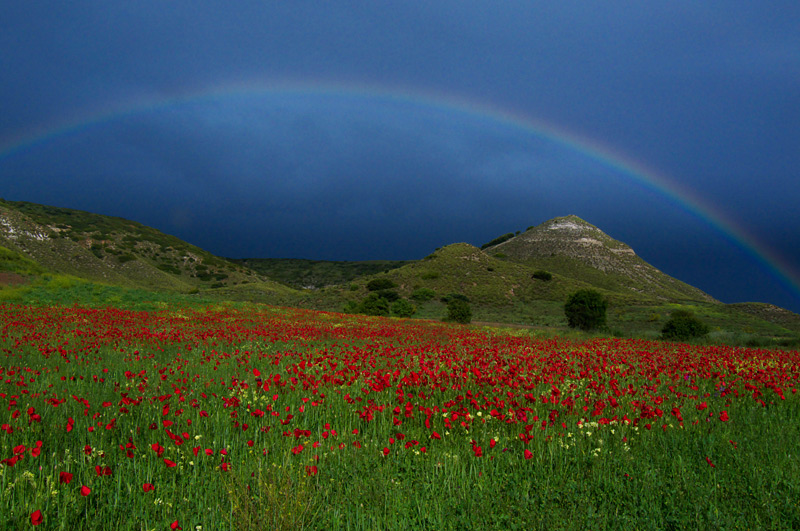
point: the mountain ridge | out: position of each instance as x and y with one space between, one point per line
112 250
581 250
524 279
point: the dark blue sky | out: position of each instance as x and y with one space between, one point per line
357 130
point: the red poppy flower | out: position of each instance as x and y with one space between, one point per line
712 465
385 451
170 463
36 517
85 491
147 487
174 525
528 454
65 477
723 416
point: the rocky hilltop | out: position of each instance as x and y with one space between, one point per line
573 247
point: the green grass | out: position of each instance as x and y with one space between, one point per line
116 250
180 362
13 262
67 290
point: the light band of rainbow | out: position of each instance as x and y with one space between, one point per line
636 171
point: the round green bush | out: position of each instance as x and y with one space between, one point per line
683 325
543 275
459 311
586 309
423 294
403 308
374 304
377 284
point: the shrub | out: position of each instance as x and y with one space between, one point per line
586 309
403 308
429 275
498 240
423 294
683 325
378 284
454 296
374 304
388 294
459 311
541 274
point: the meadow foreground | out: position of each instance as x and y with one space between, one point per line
256 417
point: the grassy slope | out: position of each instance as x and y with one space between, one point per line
502 291
117 251
124 262
574 248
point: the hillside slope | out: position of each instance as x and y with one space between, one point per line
571 247
464 269
112 250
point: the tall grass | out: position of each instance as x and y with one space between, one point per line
304 456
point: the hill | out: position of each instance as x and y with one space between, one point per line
37 239
59 255
576 249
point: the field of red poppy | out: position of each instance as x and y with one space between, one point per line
256 417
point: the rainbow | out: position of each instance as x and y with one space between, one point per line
632 169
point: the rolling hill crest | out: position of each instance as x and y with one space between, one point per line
577 249
38 239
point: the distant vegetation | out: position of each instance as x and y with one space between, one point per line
498 240
682 326
541 274
458 310
52 255
586 309
317 274
423 294
379 284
